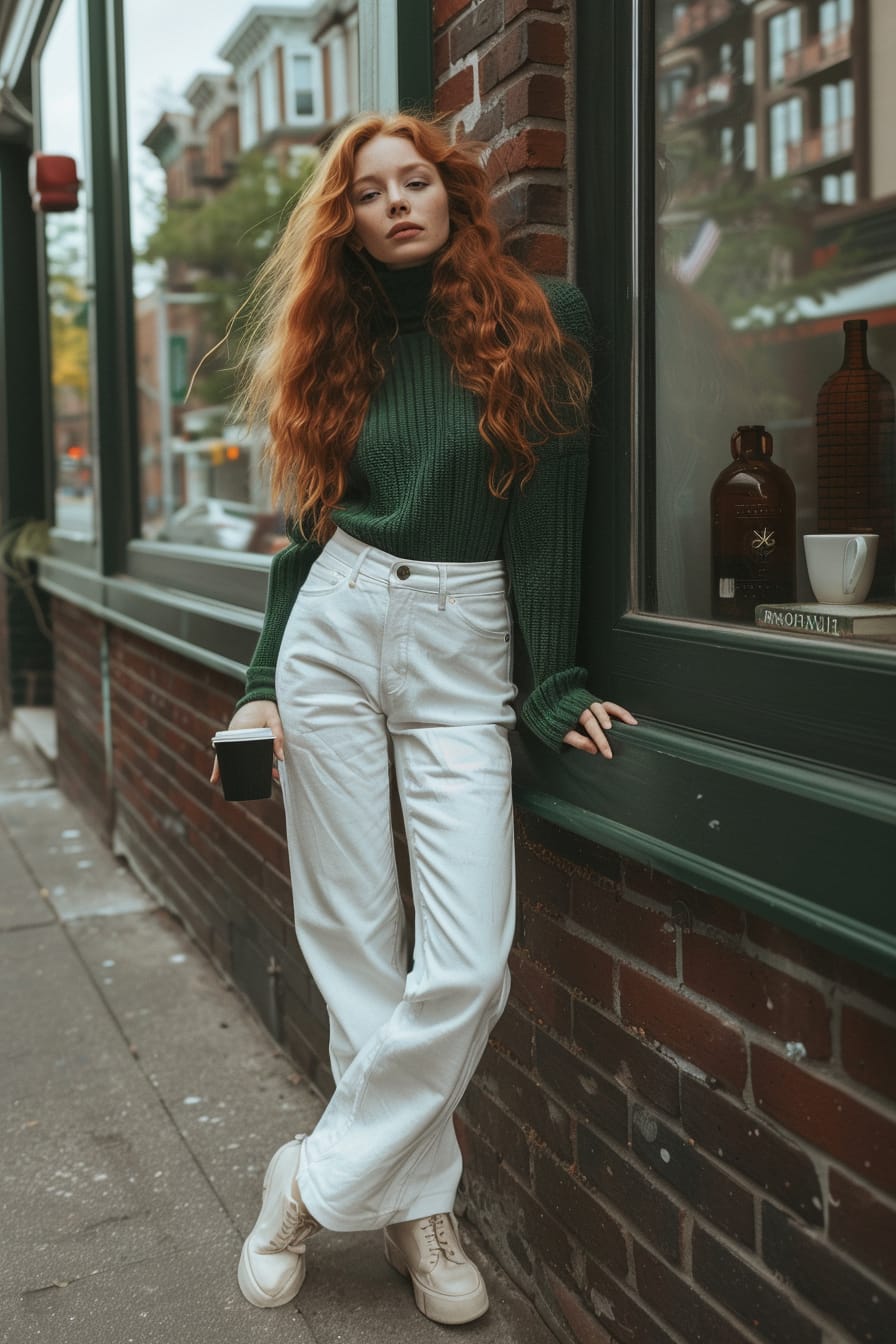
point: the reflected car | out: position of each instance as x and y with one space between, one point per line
222 523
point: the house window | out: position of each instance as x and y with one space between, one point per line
303 88
62 102
753 288
784 35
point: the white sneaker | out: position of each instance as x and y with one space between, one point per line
272 1262
448 1287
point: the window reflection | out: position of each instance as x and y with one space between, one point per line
776 224
62 119
224 127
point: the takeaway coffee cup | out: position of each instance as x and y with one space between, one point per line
245 758
841 565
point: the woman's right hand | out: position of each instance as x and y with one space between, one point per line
257 714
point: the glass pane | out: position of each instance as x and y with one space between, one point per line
70 296
775 320
223 125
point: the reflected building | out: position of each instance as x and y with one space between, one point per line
293 80
776 212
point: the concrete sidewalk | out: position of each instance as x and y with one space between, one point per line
140 1103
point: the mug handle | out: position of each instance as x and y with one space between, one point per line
853 562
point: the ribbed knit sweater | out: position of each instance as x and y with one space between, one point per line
418 489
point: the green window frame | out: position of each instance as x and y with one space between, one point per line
764 773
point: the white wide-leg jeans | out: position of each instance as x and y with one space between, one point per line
380 648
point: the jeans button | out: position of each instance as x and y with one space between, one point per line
403 572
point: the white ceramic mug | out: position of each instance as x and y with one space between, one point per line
841 565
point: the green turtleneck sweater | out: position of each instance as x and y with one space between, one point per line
418 489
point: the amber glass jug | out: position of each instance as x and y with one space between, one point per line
753 508
855 418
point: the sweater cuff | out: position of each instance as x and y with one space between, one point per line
259 685
554 707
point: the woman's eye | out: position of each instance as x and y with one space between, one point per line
366 196
418 182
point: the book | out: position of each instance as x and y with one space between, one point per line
861 620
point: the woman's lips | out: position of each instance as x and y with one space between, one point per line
405 232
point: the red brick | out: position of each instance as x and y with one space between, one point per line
788 1008
707 1187
455 93
523 1097
542 252
835 1121
490 123
862 1225
513 8
749 1295
868 1048
547 1238
686 901
576 856
864 1310
476 26
581 1088
513 1032
677 1302
646 934
443 11
531 148
838 969
500 1128
441 55
536 40
581 1212
625 1317
581 1320
736 1136
634 1193
634 1064
540 994
567 952
665 1013
542 879
539 95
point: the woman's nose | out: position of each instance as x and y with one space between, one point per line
397 204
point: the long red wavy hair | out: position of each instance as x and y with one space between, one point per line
313 358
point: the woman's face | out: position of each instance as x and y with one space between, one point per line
400 202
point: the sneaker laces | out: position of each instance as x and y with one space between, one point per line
296 1226
440 1238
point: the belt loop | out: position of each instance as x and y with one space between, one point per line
353 577
443 586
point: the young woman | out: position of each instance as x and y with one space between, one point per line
427 407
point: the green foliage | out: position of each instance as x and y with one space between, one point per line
223 240
764 258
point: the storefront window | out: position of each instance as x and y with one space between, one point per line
62 120
775 319
217 154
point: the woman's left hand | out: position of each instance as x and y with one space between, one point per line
595 723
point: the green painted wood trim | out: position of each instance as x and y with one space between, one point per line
114 362
415 68
834 929
216 634
812 849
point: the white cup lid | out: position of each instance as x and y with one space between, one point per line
243 735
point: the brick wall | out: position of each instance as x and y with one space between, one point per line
684 1128
503 76
78 699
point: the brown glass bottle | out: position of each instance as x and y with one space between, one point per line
855 418
753 506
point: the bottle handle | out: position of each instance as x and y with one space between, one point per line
854 562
